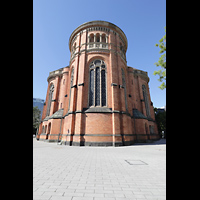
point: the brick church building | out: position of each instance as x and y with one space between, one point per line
98 100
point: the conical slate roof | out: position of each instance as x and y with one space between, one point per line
57 115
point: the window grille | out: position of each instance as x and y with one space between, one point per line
103 87
91 101
97 87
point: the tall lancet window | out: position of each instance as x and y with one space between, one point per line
71 85
97 86
146 100
124 86
51 90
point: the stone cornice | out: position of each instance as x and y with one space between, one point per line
55 73
140 73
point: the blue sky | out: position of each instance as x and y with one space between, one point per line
142 21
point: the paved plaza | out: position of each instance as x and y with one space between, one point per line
99 173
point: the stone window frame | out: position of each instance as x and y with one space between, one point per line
71 85
151 129
51 91
146 101
92 66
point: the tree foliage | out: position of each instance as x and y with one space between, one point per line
160 118
162 62
36 118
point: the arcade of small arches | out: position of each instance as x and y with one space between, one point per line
98 37
99 40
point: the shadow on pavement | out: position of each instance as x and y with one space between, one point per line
158 142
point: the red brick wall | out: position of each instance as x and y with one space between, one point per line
115 124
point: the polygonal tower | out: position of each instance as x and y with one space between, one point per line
98 100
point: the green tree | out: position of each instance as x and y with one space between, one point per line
36 118
162 62
160 118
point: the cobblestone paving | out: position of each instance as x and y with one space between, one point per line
99 173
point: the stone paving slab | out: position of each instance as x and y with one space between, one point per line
95 173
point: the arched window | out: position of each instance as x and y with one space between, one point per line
97 87
71 84
121 47
122 50
91 37
97 37
146 128
124 86
104 38
49 130
151 128
74 47
146 100
51 90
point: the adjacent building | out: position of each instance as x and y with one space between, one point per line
39 103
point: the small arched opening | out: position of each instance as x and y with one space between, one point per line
97 37
91 37
103 38
48 131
